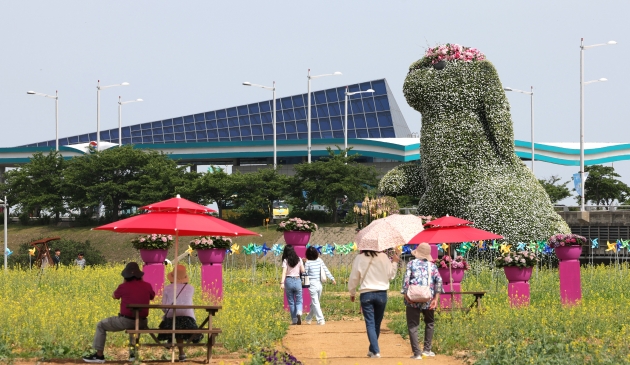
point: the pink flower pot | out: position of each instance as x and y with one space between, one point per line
458 275
153 256
515 273
297 238
568 252
211 256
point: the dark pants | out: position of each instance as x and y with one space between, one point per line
413 321
373 307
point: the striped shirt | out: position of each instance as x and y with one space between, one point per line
314 267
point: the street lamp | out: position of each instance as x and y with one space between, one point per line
582 83
531 94
56 97
273 89
120 104
308 111
345 123
98 110
3 203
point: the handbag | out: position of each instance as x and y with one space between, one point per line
306 281
419 293
322 273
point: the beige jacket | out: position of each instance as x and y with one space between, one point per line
373 278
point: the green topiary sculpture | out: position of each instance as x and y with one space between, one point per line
469 166
405 179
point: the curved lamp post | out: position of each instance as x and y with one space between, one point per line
273 89
56 97
582 83
531 94
98 109
308 110
120 104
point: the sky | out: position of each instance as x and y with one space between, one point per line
188 57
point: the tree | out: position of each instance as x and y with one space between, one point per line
258 190
555 191
215 186
602 187
332 177
38 185
120 177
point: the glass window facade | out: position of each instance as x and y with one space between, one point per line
370 115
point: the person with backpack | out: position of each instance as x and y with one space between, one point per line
421 287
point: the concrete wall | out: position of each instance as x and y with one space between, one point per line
599 218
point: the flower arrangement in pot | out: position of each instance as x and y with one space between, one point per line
517 265
296 231
452 269
209 242
296 224
567 246
211 249
153 247
153 242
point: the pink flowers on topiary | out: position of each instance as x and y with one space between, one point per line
453 52
562 240
458 263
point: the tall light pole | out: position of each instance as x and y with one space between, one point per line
56 97
98 110
308 109
273 122
582 84
120 104
531 94
345 123
3 203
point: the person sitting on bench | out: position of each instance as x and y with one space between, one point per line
133 290
185 317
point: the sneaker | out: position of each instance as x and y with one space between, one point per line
182 358
299 319
132 357
373 355
428 353
321 323
416 357
94 358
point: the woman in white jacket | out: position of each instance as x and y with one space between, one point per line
313 267
371 273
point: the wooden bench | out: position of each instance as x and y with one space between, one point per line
205 328
475 304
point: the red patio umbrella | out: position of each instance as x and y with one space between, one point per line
177 217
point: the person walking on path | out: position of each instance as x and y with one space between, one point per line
185 317
371 273
314 267
421 271
292 268
132 291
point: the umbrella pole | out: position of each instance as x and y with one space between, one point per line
174 298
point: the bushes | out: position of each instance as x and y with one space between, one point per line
69 250
315 216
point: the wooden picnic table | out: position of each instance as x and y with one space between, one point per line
476 303
205 328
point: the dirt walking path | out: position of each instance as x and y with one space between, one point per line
346 343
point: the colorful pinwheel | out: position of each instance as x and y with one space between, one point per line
611 246
329 249
354 246
234 248
624 243
542 247
505 248
482 246
547 250
32 251
265 249
521 246
249 249
318 248
257 249
277 249
7 251
495 245
445 247
406 249
465 247
594 243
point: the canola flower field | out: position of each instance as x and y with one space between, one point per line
52 314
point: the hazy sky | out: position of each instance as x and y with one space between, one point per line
187 57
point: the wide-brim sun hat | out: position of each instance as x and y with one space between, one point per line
423 252
182 276
132 270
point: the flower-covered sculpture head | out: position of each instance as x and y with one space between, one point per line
468 164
